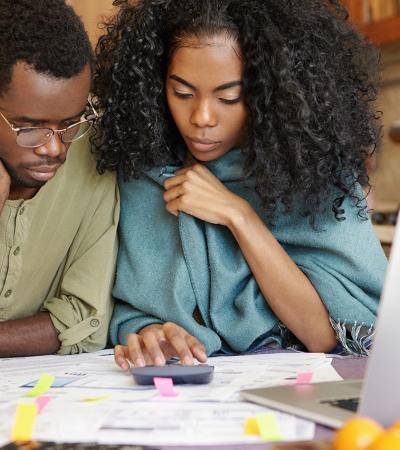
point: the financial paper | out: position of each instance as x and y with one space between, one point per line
92 400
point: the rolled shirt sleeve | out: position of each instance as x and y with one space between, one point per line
82 311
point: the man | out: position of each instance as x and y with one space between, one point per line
58 216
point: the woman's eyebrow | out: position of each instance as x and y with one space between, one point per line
228 85
222 87
182 81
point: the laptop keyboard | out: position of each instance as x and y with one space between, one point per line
351 404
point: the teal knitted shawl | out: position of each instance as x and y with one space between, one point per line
168 266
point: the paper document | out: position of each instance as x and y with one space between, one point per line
93 400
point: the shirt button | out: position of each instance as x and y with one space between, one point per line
8 293
94 323
21 211
16 251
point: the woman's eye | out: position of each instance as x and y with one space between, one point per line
230 101
183 94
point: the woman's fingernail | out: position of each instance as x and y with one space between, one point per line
158 361
139 362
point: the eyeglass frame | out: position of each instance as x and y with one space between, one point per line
60 132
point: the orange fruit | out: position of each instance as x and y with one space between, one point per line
389 440
357 434
395 425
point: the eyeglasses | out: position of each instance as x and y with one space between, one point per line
37 136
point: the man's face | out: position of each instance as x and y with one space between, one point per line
34 99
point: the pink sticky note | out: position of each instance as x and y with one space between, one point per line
42 402
304 378
165 387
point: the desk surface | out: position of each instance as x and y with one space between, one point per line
347 367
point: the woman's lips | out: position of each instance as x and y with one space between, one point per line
203 145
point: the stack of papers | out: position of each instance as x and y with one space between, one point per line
93 400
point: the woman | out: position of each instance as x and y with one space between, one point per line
241 131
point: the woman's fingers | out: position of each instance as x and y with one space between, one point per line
120 352
193 174
197 349
176 336
155 345
135 353
176 180
173 193
151 342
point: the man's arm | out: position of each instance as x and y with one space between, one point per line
34 335
82 307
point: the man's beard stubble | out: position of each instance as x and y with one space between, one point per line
18 181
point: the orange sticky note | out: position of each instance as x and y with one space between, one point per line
165 386
304 378
25 419
251 427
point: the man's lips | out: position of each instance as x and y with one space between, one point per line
43 173
203 145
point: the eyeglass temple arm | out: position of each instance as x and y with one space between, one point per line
94 109
9 123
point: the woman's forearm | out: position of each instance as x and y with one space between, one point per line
288 291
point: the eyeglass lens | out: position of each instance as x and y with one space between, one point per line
35 137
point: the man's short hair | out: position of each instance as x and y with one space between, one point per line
46 34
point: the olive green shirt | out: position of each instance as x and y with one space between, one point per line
58 251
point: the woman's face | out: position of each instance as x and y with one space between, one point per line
204 94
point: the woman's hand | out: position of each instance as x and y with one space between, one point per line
196 191
156 344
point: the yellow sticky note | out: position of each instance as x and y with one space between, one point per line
42 386
24 424
95 399
268 427
251 427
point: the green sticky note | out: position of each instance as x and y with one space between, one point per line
268 427
42 386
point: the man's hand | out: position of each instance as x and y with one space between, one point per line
156 344
5 182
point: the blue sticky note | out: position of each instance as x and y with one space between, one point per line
57 383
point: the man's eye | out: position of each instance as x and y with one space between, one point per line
24 125
73 122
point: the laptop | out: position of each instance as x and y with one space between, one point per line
377 396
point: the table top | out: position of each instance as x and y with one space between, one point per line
348 367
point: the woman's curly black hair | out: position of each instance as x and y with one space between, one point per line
309 83
46 34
